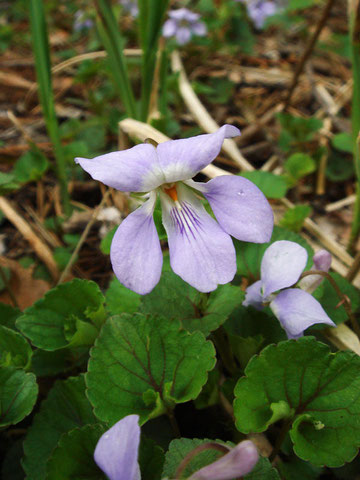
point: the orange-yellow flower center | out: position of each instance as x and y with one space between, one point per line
171 191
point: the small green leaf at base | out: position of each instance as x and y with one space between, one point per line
322 390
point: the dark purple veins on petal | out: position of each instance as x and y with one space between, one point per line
186 220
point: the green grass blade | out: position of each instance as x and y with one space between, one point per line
43 73
114 45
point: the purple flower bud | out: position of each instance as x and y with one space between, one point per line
182 24
238 462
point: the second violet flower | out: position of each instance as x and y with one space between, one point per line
201 249
281 267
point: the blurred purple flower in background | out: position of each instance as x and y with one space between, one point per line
117 451
82 22
281 267
182 24
260 10
130 6
201 249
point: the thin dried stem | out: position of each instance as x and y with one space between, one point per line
83 238
308 51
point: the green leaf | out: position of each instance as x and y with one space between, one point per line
343 142
48 364
145 365
73 457
174 298
120 299
151 459
330 301
18 393
62 317
7 183
296 130
249 255
8 315
30 166
272 186
294 218
339 167
319 387
105 243
14 349
298 166
65 408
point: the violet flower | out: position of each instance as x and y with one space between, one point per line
260 10
182 24
82 22
116 453
296 309
201 250
130 6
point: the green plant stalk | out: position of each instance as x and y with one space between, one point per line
354 27
114 45
151 18
43 73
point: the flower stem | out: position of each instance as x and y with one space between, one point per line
206 446
344 299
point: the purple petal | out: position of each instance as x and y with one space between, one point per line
201 253
281 266
240 207
253 296
169 28
116 452
298 310
183 159
132 170
238 462
199 28
135 250
183 35
322 261
180 14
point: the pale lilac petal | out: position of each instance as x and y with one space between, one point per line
199 28
240 207
183 159
201 253
298 310
282 264
132 170
322 261
183 35
116 452
253 296
135 250
169 28
179 14
238 462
